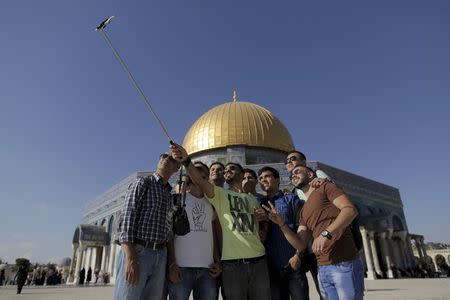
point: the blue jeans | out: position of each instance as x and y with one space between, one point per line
152 271
342 281
194 279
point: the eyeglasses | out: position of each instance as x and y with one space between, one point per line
292 158
169 157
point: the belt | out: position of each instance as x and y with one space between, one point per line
245 260
151 245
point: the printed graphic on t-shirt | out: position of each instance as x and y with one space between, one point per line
242 214
199 216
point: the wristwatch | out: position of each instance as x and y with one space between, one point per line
327 234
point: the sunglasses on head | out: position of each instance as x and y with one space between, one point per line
171 159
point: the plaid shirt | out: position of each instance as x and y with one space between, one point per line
147 211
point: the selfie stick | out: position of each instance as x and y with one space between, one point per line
101 28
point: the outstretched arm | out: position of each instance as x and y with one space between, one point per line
180 154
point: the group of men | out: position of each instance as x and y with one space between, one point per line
252 246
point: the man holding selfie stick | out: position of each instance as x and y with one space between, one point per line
144 229
244 267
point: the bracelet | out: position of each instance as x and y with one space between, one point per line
186 162
284 224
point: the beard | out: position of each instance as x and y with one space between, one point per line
302 183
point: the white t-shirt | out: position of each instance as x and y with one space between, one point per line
195 249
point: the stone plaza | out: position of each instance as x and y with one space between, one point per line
414 289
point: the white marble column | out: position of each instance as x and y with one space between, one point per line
424 249
104 259
115 260
71 276
404 250
387 255
112 260
87 258
373 248
435 264
80 257
367 254
410 251
397 255
419 248
93 259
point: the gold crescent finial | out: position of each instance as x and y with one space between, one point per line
235 97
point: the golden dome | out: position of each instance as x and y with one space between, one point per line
237 123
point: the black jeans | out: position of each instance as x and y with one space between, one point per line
246 280
288 284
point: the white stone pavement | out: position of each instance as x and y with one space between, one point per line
411 289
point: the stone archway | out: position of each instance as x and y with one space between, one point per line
87 244
397 223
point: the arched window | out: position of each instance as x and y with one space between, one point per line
110 224
397 223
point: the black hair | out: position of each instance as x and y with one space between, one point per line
247 170
217 163
302 156
237 165
202 165
274 172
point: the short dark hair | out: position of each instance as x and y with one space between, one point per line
217 163
302 156
166 155
201 164
247 170
308 169
274 172
237 165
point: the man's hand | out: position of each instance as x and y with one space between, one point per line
294 262
317 182
273 215
175 275
319 245
178 152
215 269
261 215
131 270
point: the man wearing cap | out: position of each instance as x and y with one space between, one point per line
144 229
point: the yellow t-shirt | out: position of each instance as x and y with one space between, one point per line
240 229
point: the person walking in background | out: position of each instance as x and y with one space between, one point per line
21 278
82 276
89 276
2 276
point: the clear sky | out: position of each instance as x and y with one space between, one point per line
362 86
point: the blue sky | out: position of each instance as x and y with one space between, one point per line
361 86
